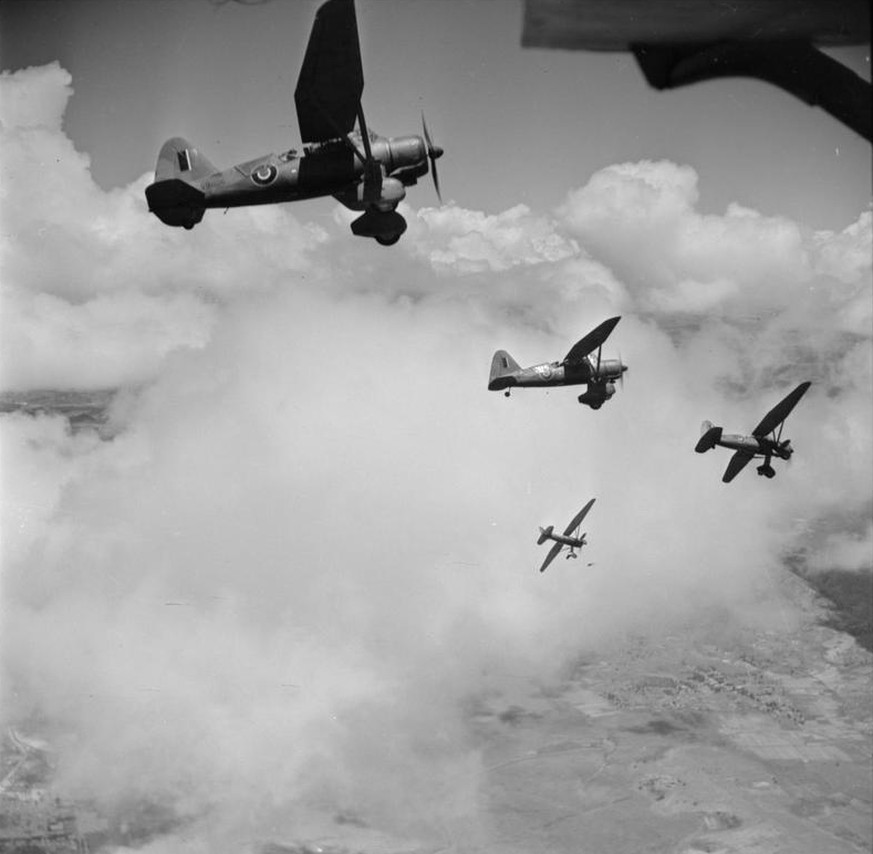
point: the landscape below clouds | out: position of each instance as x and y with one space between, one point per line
309 543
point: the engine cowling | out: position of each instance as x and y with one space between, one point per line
609 369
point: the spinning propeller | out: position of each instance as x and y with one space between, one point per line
434 152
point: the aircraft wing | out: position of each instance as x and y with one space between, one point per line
331 80
591 341
577 519
553 553
677 43
780 411
736 464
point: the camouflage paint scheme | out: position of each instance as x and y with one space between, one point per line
364 171
571 538
578 367
764 442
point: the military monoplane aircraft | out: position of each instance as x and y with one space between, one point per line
577 367
764 442
364 171
570 539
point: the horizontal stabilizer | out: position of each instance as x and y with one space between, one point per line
502 368
709 439
545 533
175 202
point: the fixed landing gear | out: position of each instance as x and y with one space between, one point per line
387 240
506 394
766 470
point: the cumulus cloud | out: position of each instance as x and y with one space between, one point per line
460 241
266 602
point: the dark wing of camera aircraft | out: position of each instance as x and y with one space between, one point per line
571 538
764 442
677 43
364 171
577 367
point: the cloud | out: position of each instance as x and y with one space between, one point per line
269 599
35 97
463 241
844 551
640 219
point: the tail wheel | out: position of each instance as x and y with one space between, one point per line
386 240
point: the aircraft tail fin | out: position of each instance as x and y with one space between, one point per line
545 533
709 436
175 198
502 367
181 160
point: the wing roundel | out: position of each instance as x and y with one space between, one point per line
331 79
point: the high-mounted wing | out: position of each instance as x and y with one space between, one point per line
577 519
780 411
553 553
736 464
331 80
591 341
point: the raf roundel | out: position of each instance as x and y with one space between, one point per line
264 175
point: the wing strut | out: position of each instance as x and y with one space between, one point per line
372 170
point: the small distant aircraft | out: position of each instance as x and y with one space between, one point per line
577 367
569 539
363 171
764 442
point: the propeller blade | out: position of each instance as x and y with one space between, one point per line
434 152
436 180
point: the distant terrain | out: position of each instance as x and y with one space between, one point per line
83 410
722 739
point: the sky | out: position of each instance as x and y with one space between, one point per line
271 597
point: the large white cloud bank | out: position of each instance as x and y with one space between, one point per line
267 599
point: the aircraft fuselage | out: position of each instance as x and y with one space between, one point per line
323 170
558 374
572 542
762 447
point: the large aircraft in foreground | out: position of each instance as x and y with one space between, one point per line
577 367
571 538
764 442
365 172
677 43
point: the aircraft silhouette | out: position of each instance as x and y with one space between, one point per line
570 539
759 444
577 367
364 171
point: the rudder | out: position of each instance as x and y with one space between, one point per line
179 159
502 367
175 197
